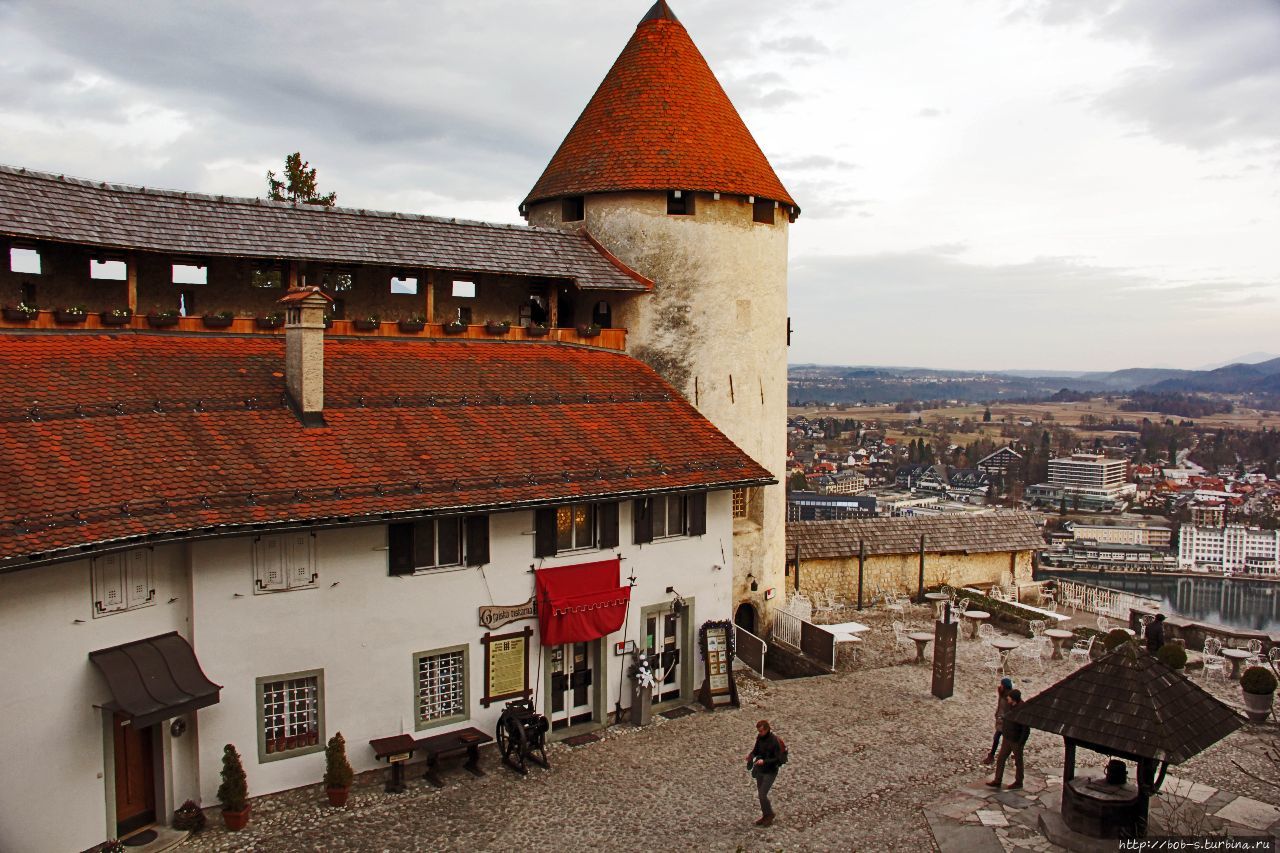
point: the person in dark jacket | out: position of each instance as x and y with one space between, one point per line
763 762
1015 737
1006 684
1155 634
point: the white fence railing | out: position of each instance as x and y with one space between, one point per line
786 628
1101 600
800 606
752 650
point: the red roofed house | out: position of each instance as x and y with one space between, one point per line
237 508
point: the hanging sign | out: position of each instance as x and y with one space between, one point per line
495 616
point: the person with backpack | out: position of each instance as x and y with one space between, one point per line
1015 738
768 754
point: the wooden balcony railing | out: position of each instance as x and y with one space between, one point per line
614 339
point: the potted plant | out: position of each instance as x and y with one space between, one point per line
337 771
588 330
188 817
1172 655
274 320
71 314
217 320
116 317
454 327
642 684
497 327
1259 687
536 330
233 793
162 319
412 324
20 313
1115 638
366 324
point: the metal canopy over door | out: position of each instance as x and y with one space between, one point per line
135 776
662 641
572 677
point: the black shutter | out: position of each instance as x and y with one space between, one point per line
449 532
400 548
477 540
607 518
642 520
697 513
544 539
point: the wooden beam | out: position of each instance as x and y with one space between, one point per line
131 282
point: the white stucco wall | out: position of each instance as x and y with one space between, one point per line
715 326
359 625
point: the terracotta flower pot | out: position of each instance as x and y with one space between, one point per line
236 821
337 796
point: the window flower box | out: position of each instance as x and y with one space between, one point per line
588 330
162 319
497 327
20 314
269 321
69 316
454 327
366 324
220 320
116 317
537 330
411 326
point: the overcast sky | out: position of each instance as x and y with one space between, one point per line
1076 184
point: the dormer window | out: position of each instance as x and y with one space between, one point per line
573 208
679 203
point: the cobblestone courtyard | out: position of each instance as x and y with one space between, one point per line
870 748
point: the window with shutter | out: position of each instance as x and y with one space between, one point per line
607 516
544 539
269 564
433 543
642 520
141 588
697 509
301 553
108 584
400 548
477 540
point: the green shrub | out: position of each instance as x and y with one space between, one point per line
1172 655
1116 638
1258 680
188 817
233 793
337 770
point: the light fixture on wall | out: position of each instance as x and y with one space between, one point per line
678 605
755 586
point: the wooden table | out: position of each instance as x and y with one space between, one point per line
436 745
975 617
922 640
1004 646
1057 635
1237 657
396 750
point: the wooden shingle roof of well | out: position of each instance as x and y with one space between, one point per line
1129 703
984 533
39 206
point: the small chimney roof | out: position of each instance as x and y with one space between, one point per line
299 294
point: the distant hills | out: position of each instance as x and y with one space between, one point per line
1258 382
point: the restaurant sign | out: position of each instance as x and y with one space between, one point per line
495 616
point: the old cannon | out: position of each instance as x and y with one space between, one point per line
522 736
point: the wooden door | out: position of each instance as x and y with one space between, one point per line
135 777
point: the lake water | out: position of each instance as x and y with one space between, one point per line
1233 602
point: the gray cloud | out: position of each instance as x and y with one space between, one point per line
811 162
798 45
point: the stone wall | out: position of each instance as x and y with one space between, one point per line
901 572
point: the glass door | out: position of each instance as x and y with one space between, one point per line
662 641
572 677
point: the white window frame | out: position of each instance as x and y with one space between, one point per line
404 285
108 269
25 260
665 502
296 703
284 561
122 581
456 707
464 289
592 534
189 273
456 520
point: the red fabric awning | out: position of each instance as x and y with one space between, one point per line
580 603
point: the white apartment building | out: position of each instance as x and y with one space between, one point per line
1156 536
1234 548
1090 476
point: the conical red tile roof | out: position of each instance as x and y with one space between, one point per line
659 121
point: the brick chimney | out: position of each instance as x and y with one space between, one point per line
304 309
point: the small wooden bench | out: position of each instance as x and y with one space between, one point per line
397 750
435 746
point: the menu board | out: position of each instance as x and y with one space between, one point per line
716 641
506 666
717 660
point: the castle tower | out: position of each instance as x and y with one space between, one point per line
662 171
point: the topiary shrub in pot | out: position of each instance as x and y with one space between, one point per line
337 771
1172 655
1115 638
1259 687
233 793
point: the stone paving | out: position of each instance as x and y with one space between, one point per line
877 764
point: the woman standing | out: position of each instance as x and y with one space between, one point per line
1004 687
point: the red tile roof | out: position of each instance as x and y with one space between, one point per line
659 121
109 436
37 206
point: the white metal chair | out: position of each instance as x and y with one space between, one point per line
986 632
962 605
996 593
895 603
1082 650
1254 648
1104 624
1213 659
1037 627
901 638
1027 658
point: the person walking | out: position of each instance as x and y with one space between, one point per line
1155 634
1005 685
1015 737
764 760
